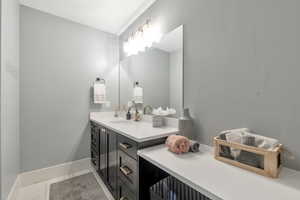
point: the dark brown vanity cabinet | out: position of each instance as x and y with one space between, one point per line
115 158
106 156
129 173
128 168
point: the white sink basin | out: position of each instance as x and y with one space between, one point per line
121 121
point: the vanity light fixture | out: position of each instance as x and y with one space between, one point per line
142 39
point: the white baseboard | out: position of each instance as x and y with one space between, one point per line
45 174
14 190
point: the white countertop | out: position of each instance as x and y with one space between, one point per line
218 180
138 131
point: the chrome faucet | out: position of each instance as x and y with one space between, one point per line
133 105
148 110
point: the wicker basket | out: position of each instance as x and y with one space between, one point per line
269 161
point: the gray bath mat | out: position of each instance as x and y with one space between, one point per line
84 187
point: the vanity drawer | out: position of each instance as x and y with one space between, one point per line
128 171
125 193
128 146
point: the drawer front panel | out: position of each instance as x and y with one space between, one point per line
128 146
125 193
128 171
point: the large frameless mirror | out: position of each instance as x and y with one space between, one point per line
154 77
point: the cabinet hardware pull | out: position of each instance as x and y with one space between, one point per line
123 198
125 170
125 145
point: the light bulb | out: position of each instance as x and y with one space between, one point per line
147 35
157 35
126 47
134 49
131 46
140 41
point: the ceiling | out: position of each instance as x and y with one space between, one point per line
112 16
172 41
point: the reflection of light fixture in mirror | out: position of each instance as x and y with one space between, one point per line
143 38
139 39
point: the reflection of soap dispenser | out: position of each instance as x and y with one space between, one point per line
128 115
137 93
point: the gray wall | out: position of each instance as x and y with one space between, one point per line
59 62
10 148
151 69
175 75
241 65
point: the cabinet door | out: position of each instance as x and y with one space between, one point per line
95 147
112 162
95 139
103 154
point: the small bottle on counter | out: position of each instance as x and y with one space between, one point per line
128 115
137 116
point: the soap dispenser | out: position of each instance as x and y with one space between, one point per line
128 115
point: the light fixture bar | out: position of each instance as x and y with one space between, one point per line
143 38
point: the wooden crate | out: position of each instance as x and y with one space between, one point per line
272 159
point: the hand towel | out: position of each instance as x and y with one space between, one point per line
138 94
225 150
264 142
99 93
194 146
234 136
237 135
250 158
178 144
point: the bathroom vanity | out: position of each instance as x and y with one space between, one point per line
128 158
114 146
115 141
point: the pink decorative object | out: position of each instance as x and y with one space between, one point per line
178 144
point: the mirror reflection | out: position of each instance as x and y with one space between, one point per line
154 78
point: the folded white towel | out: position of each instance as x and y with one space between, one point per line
99 93
161 112
234 136
264 142
138 94
240 136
